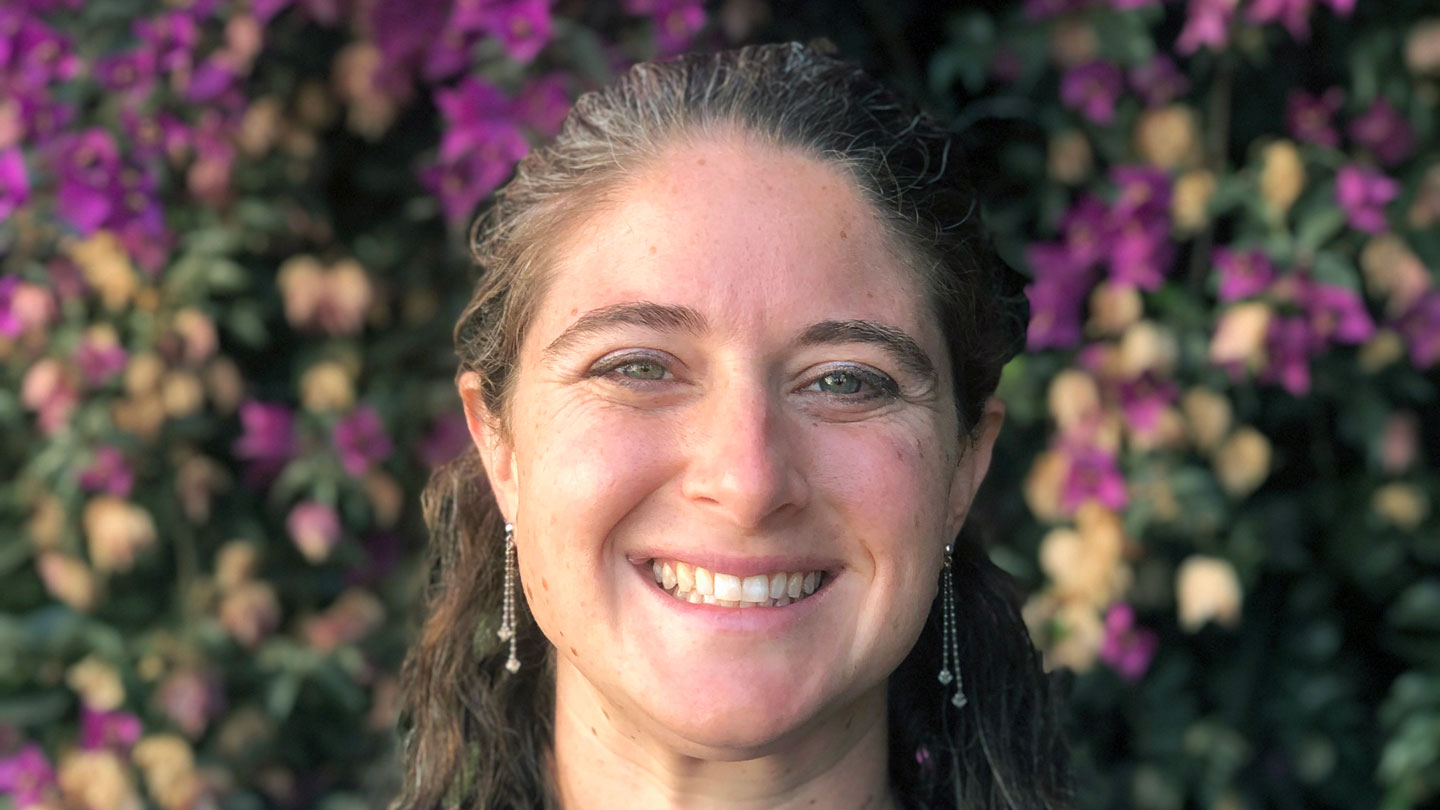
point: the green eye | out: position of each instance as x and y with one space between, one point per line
643 370
840 382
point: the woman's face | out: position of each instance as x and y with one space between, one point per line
731 374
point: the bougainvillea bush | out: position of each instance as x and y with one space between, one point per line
232 245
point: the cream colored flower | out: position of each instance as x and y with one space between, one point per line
97 683
181 394
302 286
1242 463
117 532
1282 176
250 612
1393 273
1073 41
224 384
355 73
1209 416
140 416
1044 483
1240 334
107 269
1069 159
68 579
386 496
1403 505
350 295
236 563
143 373
1074 400
1148 347
47 523
1207 589
168 764
96 780
1382 349
1077 633
326 387
1422 48
1169 137
1113 308
197 333
1190 200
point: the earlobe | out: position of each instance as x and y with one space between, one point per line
496 453
974 463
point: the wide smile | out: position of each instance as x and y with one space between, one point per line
696 585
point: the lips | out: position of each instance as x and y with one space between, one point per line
699 585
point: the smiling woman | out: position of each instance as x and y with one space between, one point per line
729 373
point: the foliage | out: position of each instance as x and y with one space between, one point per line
231 248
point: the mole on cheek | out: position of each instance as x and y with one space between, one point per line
544 583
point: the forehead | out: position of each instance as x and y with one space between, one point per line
743 231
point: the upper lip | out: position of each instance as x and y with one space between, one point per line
741 566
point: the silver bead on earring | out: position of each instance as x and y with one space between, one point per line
507 609
950 642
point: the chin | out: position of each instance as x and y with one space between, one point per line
733 716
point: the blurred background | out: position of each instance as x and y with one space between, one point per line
232 247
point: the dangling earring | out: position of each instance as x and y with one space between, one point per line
507 609
950 642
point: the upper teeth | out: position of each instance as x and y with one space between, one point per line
692 583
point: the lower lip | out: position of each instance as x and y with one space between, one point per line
762 620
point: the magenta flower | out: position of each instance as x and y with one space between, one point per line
1143 399
451 53
1127 648
1055 314
1094 474
1092 89
1293 14
1140 253
130 73
361 441
1143 194
268 438
676 24
1337 313
407 31
1364 193
38 55
1243 273
108 472
14 181
523 27
26 776
1158 81
1207 25
1311 118
88 165
1420 327
543 104
1289 346
1086 229
1382 130
114 729
171 38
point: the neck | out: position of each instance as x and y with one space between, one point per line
840 762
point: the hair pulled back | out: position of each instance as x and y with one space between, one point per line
477 737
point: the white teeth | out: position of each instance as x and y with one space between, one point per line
755 589
777 585
696 585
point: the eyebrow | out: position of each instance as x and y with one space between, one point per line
663 317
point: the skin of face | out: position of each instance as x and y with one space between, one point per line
723 432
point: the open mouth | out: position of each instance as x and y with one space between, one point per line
698 585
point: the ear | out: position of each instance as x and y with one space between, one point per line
973 464
496 453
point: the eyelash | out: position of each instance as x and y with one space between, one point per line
881 386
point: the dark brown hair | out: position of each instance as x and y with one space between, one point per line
476 737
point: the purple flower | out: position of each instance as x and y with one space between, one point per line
1127 648
114 729
1383 131
407 30
100 360
1093 475
1337 313
26 776
447 438
361 441
1310 118
269 433
14 181
1243 273
132 73
1293 14
449 54
34 56
543 104
1144 398
108 472
1364 193
1086 228
676 24
210 80
1207 25
1092 89
171 38
480 146
1420 326
88 165
1143 194
523 27
1290 343
1055 314
1140 253
1158 81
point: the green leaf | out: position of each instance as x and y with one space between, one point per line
35 708
1417 608
1319 227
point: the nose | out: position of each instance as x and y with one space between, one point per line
743 465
